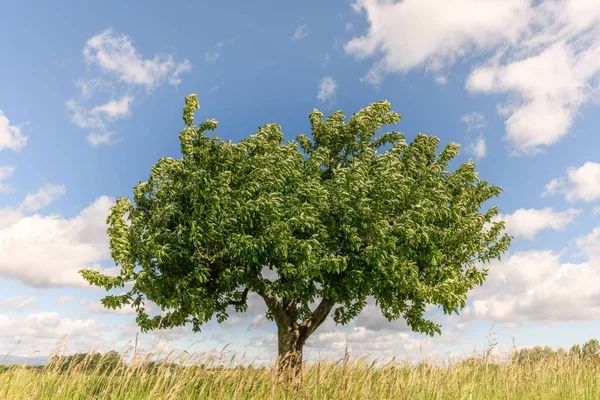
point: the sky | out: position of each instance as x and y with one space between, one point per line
91 96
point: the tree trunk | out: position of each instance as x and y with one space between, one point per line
290 344
292 335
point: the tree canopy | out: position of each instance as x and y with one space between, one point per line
341 215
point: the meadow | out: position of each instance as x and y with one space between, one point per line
537 373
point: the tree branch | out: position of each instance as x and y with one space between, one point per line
310 324
276 308
242 301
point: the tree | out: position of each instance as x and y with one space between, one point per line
335 217
591 349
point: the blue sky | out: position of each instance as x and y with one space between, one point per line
91 97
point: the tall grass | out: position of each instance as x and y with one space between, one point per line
560 376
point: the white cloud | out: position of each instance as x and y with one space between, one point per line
546 55
476 122
327 88
550 87
349 27
536 286
590 244
257 323
300 33
433 33
114 108
97 139
43 197
123 70
6 172
64 299
114 53
40 332
527 223
10 135
18 303
99 116
97 307
47 251
478 148
325 59
441 80
581 183
88 86
211 57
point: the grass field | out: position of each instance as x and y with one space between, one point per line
552 376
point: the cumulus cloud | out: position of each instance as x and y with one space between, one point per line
548 98
6 172
590 244
10 135
327 88
526 223
537 286
301 32
114 53
123 70
544 55
434 33
581 183
40 332
48 250
43 197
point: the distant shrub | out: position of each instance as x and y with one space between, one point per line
87 362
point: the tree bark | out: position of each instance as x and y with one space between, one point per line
290 345
292 335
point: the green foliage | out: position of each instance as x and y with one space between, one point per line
534 354
87 362
589 351
334 216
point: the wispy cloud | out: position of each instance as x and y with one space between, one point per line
18 303
6 172
43 197
10 135
211 57
327 88
301 32
476 123
97 139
